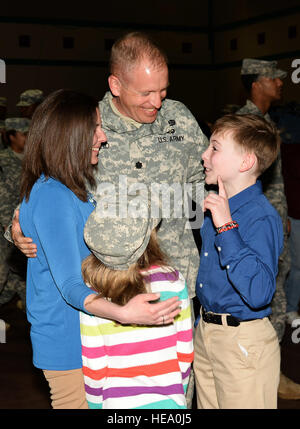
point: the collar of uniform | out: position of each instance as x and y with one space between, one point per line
18 155
255 110
245 196
12 153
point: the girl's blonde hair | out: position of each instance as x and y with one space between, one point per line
120 286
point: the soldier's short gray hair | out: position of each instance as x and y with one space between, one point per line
131 49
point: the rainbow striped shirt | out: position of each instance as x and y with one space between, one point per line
128 366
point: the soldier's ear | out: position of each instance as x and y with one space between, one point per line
114 85
254 85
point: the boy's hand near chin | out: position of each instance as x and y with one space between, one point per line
218 206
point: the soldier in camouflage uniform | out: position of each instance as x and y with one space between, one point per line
12 261
264 83
153 140
3 103
165 151
29 101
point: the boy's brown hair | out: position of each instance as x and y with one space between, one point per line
253 134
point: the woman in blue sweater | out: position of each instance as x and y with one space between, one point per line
60 156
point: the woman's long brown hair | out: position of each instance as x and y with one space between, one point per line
121 285
59 142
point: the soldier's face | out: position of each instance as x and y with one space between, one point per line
141 92
18 141
271 88
28 111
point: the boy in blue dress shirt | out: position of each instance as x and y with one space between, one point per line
237 357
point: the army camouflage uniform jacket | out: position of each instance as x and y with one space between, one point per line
12 261
272 180
166 151
10 175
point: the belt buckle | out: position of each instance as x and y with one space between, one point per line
233 321
210 317
207 316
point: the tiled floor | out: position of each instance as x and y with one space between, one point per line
23 387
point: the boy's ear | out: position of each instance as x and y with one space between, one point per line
248 162
114 85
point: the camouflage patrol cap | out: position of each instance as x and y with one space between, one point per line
262 68
3 101
17 124
31 96
117 241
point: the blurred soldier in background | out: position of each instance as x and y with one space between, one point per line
29 100
12 261
3 111
287 119
263 83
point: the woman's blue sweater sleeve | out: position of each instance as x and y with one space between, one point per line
59 226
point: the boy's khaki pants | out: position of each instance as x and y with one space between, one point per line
236 367
66 389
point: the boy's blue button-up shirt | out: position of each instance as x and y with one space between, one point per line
238 268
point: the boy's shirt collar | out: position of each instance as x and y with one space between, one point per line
245 196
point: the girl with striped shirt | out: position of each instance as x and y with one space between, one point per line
130 366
